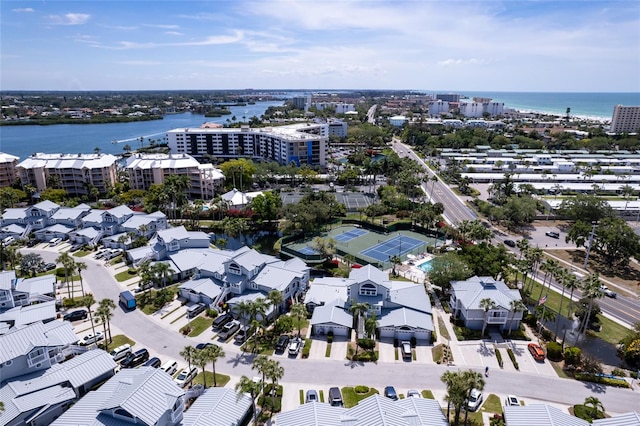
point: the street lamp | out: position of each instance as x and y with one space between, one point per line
593 230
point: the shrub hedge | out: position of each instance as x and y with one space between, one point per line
554 351
513 358
499 356
572 356
586 377
361 389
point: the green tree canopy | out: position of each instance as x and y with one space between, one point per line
446 268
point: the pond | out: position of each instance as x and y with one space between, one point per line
262 241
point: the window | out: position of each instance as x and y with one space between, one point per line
234 269
368 290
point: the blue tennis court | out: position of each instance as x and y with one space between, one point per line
397 246
349 235
307 250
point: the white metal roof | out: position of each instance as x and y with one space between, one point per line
218 406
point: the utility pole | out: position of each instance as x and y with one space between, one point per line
593 231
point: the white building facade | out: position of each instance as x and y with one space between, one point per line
626 119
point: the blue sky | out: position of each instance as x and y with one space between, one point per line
560 46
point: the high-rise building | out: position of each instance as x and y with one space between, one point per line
302 143
626 119
448 97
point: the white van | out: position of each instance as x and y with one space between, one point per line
170 367
55 241
9 240
120 352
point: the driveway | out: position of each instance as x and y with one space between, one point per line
529 365
339 348
386 351
318 347
424 354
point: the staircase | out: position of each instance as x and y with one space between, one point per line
221 297
27 231
94 242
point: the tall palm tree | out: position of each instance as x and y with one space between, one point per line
486 304
247 385
572 284
201 359
275 299
213 353
370 326
88 300
358 309
80 266
188 353
472 380
298 311
515 306
523 245
243 310
162 271
66 260
549 267
261 364
105 313
566 278
275 372
455 392
543 315
591 291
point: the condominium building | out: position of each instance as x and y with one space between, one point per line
147 169
339 107
303 143
626 119
8 172
75 173
479 109
438 107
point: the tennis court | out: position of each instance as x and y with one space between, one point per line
397 246
307 250
349 235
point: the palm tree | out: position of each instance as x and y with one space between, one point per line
371 325
88 300
298 311
275 298
258 308
188 353
213 353
472 380
275 372
486 304
568 280
543 315
358 309
105 313
66 261
596 405
549 267
523 246
261 364
591 291
247 385
243 310
201 359
515 306
162 271
80 266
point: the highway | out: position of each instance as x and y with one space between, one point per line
623 309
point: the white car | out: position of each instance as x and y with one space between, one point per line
413 394
186 376
608 292
511 401
294 346
90 339
170 367
475 400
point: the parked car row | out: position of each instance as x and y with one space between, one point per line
108 254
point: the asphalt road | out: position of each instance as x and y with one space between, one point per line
622 308
455 209
316 373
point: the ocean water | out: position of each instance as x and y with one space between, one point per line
596 105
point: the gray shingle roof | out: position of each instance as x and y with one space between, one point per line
217 406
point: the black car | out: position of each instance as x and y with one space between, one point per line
32 243
203 345
76 315
221 320
510 243
48 266
153 362
283 342
390 392
136 358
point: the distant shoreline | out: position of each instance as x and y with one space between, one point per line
101 120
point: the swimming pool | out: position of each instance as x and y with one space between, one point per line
426 266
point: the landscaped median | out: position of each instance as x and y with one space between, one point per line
353 395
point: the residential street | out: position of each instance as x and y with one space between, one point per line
321 374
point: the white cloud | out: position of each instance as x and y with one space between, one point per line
69 19
24 10
472 61
164 27
208 41
175 33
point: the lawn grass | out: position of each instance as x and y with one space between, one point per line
351 398
301 395
327 352
559 370
125 275
221 379
200 324
442 329
437 352
81 253
396 353
427 394
321 395
492 404
116 260
611 331
119 340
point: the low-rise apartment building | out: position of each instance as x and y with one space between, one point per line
75 173
8 173
145 170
